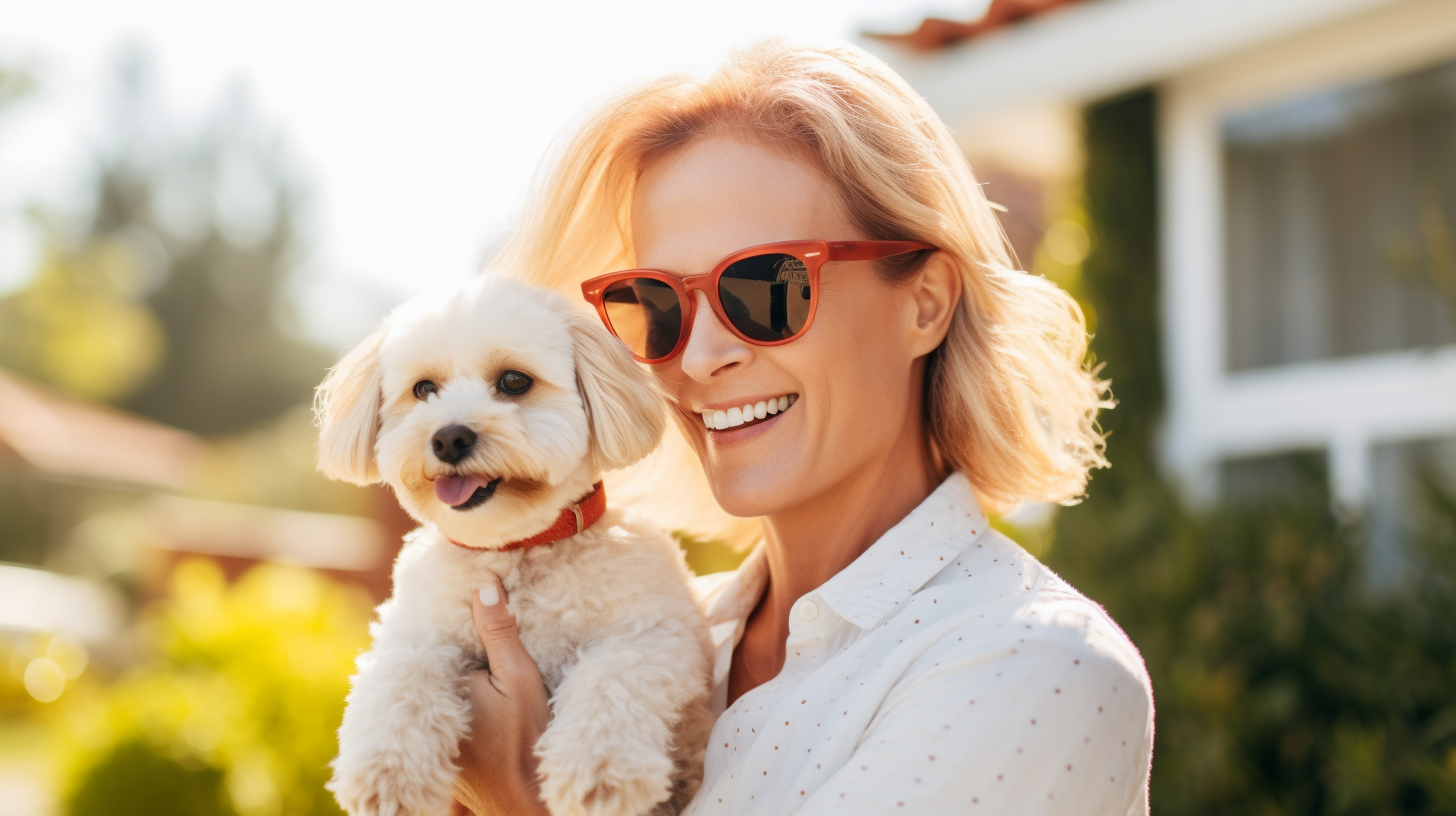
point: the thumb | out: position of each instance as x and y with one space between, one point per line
496 628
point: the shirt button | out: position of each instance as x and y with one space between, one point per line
808 610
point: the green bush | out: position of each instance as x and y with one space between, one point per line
1282 685
136 777
234 709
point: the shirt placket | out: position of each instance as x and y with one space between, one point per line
809 626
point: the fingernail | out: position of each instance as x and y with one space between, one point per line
489 595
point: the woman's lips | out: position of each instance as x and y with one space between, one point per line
745 432
747 414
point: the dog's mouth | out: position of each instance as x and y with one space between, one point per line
465 492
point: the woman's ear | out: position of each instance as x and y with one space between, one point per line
623 405
936 291
346 409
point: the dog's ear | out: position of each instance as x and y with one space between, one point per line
346 409
623 405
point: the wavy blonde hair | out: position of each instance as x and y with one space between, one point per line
1010 399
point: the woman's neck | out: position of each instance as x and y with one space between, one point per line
814 540
812 543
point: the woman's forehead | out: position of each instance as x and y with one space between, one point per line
722 194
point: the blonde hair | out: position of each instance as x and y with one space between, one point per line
1010 399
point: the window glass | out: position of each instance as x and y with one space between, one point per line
1413 494
1274 478
1341 221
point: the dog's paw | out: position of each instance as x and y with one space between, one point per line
383 789
595 783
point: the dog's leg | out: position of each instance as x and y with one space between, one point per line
608 750
402 727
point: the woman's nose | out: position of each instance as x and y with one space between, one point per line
711 348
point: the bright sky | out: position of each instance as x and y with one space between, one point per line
415 125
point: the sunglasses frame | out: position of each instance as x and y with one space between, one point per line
813 254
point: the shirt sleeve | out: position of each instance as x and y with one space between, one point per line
1058 725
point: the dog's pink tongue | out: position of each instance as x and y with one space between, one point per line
455 490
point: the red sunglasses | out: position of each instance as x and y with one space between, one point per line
766 295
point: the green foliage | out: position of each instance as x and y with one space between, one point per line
78 324
235 708
132 774
1120 280
1282 683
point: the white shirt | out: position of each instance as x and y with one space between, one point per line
945 671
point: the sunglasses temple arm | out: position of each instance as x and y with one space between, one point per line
871 250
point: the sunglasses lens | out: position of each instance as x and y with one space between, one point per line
767 297
645 314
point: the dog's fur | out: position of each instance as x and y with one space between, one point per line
606 614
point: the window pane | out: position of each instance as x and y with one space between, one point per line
1279 478
1413 485
1341 222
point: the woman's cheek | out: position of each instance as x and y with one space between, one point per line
869 379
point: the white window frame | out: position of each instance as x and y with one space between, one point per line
1344 406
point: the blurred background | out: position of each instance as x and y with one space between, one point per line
203 204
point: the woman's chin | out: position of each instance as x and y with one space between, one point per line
763 488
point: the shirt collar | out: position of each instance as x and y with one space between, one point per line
908 555
896 566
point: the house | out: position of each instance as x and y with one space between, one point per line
68 440
1306 153
87 491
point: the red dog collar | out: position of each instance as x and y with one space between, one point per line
576 518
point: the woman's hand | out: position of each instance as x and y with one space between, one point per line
508 714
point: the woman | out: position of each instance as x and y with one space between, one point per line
882 650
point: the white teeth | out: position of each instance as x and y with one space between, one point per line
735 416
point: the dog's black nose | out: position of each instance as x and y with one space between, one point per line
453 443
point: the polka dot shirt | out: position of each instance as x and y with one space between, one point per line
944 671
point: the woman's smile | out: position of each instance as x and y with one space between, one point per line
751 424
738 414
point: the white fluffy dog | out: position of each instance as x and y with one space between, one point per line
491 411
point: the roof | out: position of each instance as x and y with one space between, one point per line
935 33
1064 52
70 439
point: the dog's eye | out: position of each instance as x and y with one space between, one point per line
424 388
514 382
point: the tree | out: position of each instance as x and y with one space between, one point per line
172 301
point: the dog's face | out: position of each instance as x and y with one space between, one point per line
486 409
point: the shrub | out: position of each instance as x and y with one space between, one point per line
233 709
